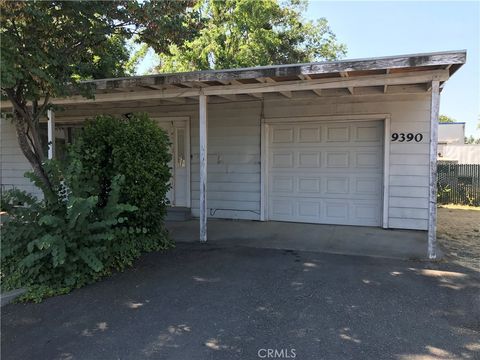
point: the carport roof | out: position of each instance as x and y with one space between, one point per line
382 75
450 60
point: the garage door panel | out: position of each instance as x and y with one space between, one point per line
365 211
282 184
328 173
367 159
309 159
346 186
282 208
337 159
282 160
336 211
309 209
367 185
338 133
337 185
309 185
283 135
309 134
327 211
368 133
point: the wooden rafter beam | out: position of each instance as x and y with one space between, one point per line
318 92
203 85
173 100
287 94
176 100
345 75
236 82
386 86
429 84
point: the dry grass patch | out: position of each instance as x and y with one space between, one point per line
458 232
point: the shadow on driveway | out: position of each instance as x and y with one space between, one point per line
202 302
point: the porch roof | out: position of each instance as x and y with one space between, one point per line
450 60
380 75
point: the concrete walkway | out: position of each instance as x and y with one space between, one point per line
351 240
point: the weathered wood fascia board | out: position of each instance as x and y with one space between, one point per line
390 62
258 88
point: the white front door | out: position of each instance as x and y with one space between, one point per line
326 172
178 132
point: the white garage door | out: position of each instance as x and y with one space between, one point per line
329 172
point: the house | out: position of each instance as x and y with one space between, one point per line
350 142
452 147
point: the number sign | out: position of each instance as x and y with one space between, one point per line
401 137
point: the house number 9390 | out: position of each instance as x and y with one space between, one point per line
401 137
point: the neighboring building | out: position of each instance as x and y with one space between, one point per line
451 133
460 153
349 142
452 147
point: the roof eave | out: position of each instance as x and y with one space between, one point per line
454 59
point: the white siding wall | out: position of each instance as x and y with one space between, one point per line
13 163
234 133
233 187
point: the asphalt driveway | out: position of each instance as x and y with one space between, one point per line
202 302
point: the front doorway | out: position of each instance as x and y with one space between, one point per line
178 130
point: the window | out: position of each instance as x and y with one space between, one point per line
180 153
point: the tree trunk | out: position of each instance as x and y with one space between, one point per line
32 152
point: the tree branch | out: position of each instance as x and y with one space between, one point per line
42 108
17 106
22 111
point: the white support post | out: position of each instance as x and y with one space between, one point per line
203 166
432 201
51 134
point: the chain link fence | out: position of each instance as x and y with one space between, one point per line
458 184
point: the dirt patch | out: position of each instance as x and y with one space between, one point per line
458 233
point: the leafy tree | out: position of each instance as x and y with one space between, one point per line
47 47
244 33
111 60
471 140
446 119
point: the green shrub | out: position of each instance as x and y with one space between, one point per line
51 247
138 149
117 169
